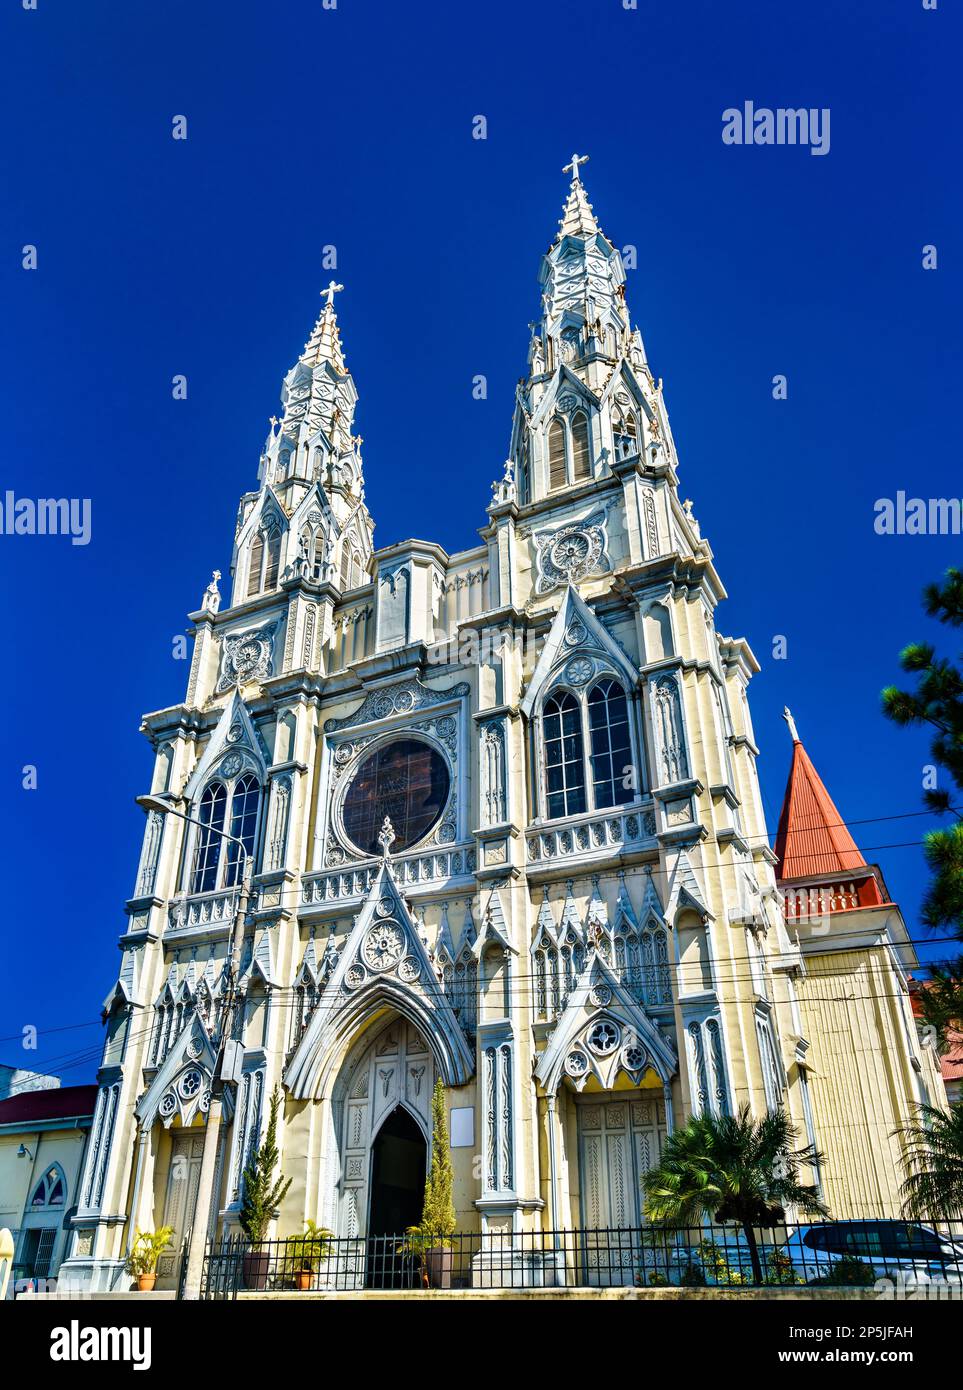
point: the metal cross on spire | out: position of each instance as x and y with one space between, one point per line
577 159
330 292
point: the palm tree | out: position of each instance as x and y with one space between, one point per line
933 1154
733 1168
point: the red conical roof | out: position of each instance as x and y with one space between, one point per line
812 841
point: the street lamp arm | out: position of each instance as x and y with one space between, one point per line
163 808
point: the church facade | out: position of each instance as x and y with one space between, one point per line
502 819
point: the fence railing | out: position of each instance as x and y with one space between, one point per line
823 1253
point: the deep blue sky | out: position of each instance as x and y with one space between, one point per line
353 127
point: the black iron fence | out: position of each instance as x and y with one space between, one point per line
829 1253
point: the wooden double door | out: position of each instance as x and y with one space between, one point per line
620 1139
180 1202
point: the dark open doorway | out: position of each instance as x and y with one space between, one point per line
398 1165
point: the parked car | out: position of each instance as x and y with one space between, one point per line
888 1247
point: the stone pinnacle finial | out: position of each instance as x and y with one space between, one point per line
324 344
787 715
387 836
211 601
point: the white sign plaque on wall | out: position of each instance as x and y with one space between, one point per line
462 1123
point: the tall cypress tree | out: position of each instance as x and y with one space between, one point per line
263 1192
438 1216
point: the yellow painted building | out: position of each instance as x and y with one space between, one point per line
43 1138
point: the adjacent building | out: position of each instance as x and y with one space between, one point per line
43 1136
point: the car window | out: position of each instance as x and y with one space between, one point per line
904 1240
864 1240
832 1237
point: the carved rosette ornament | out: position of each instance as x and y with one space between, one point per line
571 552
384 946
246 656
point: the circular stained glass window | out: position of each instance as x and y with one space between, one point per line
405 780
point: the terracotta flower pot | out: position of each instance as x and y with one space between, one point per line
255 1266
302 1279
438 1262
146 1282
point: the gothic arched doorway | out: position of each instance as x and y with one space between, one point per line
382 1105
399 1158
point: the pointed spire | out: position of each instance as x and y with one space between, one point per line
494 926
469 932
651 904
812 841
597 914
685 889
577 217
546 918
262 959
309 968
570 918
623 903
444 945
324 344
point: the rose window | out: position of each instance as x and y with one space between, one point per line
383 946
190 1084
634 1058
406 780
576 1063
604 1038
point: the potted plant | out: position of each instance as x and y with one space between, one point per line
306 1253
146 1250
430 1241
263 1195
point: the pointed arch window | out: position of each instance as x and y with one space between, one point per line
524 472
256 565
209 839
581 461
244 807
625 434
556 456
588 750
610 743
265 560
234 807
272 560
317 556
564 755
51 1190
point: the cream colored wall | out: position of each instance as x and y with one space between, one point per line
19 1178
858 1077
